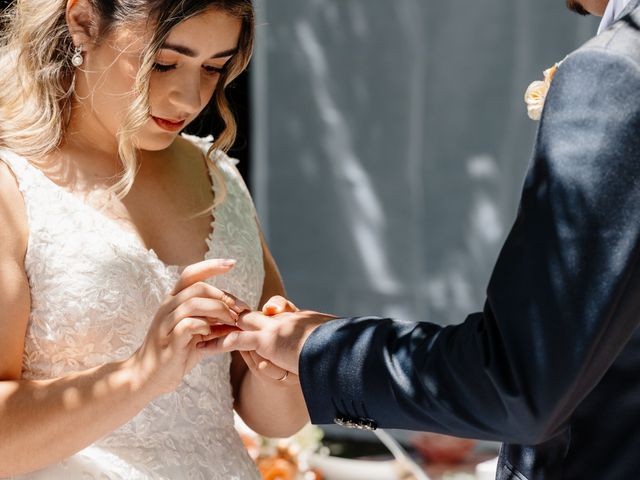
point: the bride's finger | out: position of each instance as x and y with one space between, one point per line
201 271
203 307
203 289
188 328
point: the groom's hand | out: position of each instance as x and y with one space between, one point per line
277 338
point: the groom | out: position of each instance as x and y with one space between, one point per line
551 366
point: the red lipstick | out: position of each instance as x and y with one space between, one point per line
169 125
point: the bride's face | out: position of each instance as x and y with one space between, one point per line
183 80
585 7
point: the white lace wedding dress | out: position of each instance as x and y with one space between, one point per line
94 290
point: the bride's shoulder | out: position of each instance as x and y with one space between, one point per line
223 162
204 144
13 216
9 179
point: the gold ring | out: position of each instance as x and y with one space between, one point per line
284 377
226 299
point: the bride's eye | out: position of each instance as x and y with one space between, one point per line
211 70
160 67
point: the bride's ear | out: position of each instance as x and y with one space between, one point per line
82 23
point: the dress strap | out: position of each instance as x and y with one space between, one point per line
25 173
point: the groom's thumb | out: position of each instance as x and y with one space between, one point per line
278 304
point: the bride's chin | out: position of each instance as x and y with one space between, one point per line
155 142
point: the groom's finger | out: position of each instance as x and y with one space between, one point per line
219 330
242 341
248 360
252 321
266 367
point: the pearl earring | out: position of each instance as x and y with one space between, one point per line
77 58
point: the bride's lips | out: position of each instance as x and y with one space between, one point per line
169 125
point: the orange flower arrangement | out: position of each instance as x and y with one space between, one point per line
284 459
284 466
279 467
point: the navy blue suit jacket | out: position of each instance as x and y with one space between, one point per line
551 366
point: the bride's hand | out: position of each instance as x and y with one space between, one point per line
185 318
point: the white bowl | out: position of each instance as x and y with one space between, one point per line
487 470
335 468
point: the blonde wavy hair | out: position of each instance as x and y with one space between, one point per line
37 77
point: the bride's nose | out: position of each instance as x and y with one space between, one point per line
185 95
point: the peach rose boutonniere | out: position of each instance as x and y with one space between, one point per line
536 94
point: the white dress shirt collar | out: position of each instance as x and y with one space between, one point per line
612 13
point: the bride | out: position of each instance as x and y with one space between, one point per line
102 205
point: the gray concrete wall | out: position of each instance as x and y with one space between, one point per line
390 143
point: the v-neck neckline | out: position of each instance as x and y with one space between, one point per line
135 238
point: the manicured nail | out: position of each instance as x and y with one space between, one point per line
229 263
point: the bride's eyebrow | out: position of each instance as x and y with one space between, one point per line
189 52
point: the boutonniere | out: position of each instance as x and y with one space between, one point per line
536 94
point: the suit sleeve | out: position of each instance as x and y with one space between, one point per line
563 299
